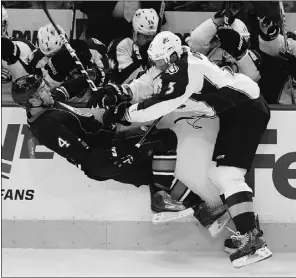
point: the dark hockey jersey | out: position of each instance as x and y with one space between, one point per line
71 133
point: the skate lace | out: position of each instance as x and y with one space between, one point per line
238 237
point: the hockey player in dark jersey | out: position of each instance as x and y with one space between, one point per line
91 52
128 56
102 154
184 81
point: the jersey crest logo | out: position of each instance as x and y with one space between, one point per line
172 69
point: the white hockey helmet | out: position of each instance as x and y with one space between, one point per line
49 40
241 28
164 45
4 21
145 21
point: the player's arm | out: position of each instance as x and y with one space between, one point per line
173 93
113 94
201 37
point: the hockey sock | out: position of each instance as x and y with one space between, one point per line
163 168
180 192
240 206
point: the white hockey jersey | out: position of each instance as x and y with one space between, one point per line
122 59
17 69
202 39
193 83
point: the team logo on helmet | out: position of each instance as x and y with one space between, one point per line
165 40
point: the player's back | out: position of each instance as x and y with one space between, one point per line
207 77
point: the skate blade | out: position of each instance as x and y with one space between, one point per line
260 254
167 216
219 224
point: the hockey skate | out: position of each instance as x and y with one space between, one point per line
252 248
214 218
232 244
166 209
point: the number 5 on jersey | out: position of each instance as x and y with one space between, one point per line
63 143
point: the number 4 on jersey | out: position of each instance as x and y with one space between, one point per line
63 143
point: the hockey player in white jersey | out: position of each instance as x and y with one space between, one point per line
128 56
207 39
16 55
183 81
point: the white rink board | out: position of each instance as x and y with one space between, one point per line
61 191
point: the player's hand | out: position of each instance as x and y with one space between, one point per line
116 114
109 95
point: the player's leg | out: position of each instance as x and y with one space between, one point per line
237 142
166 188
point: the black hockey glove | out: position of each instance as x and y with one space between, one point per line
289 63
115 114
292 35
10 52
109 95
232 42
269 29
230 14
61 63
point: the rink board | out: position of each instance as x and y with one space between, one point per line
49 203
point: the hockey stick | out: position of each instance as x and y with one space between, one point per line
161 15
73 22
71 50
139 144
284 29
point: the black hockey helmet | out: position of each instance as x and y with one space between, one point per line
24 88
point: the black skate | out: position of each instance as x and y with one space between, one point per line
252 248
231 244
214 218
166 209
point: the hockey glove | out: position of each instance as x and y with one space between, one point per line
114 115
232 42
269 29
61 63
10 52
109 95
289 63
219 17
292 35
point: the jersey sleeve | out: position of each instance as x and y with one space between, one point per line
201 36
143 87
277 45
172 93
250 64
